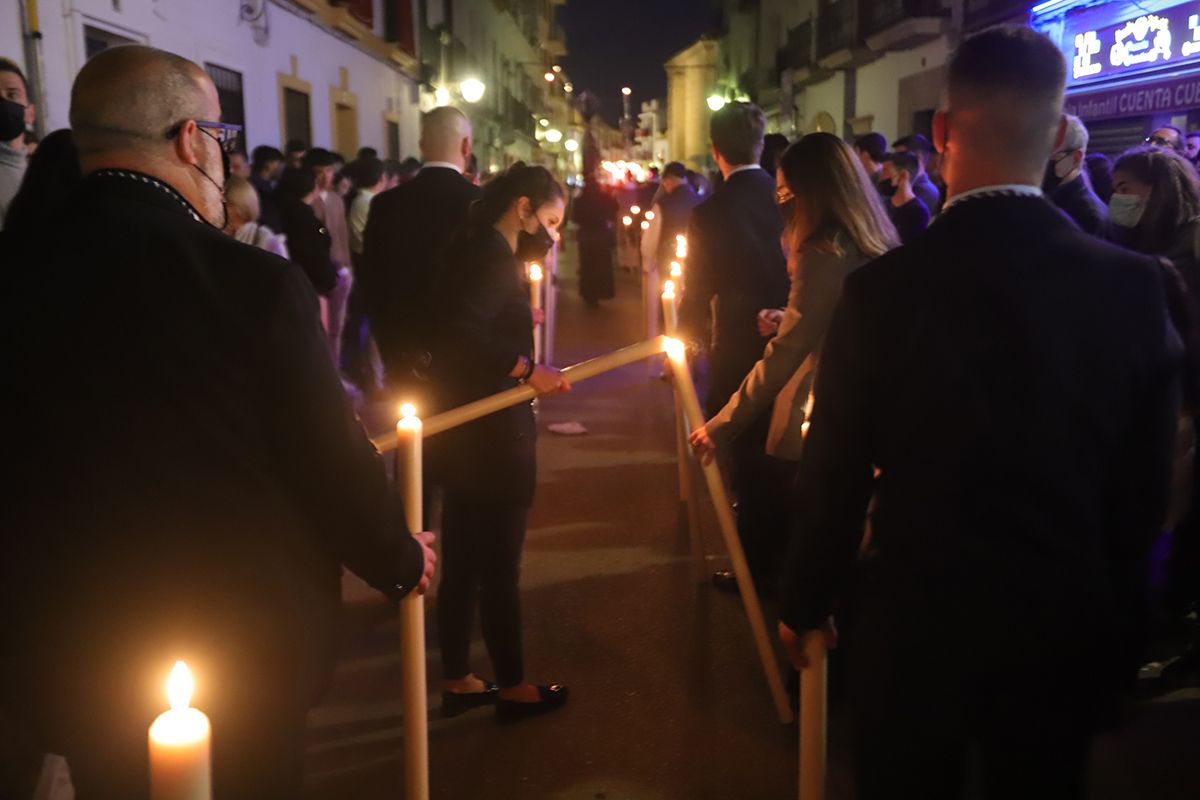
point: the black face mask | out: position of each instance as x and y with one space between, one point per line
1051 181
887 188
221 189
12 119
534 246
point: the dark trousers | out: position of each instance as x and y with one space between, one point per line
481 566
356 363
762 483
935 708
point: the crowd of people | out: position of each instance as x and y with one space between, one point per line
961 443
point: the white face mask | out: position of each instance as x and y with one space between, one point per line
1126 210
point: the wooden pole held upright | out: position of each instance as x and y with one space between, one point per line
683 453
412 616
813 718
716 488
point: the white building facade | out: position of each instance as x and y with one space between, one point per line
330 76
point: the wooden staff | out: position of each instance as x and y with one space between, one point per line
551 302
813 718
523 394
683 453
412 616
712 476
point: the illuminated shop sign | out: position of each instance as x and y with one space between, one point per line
1112 40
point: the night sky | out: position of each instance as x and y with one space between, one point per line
615 43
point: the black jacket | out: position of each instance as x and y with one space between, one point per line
308 243
487 325
187 476
404 245
1080 203
1020 396
734 255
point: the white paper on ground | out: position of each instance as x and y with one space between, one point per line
568 429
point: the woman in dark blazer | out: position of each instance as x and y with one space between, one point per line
487 467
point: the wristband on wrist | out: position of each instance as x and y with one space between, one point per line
528 373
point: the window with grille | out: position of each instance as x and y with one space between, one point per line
231 97
297 118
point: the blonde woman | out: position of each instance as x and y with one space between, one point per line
838 223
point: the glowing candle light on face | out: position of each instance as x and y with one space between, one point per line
180 745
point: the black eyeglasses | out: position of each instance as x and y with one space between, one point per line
227 134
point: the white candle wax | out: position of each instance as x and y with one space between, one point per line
180 745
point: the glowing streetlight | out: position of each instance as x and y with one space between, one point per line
472 90
545 123
645 225
556 69
568 87
627 220
572 145
650 215
625 90
549 76
554 136
441 96
716 102
634 209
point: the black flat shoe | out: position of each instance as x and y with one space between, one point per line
455 703
552 699
726 581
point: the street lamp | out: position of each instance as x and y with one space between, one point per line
554 136
441 96
572 145
549 76
568 87
625 90
545 123
472 90
716 102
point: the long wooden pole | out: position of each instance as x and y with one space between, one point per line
551 302
523 394
724 511
813 718
683 454
412 619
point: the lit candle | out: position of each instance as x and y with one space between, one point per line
627 220
670 311
676 269
645 225
180 744
635 210
409 436
535 302
681 249
650 215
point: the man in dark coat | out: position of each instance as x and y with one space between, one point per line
1067 183
404 246
735 258
186 479
1018 396
595 214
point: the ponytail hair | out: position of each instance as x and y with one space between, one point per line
518 181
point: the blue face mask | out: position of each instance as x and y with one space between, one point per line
1126 210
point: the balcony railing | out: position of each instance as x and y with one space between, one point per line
879 15
798 53
837 27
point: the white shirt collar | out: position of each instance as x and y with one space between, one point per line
999 190
441 165
742 168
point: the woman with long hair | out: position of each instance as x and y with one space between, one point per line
837 224
1155 207
487 468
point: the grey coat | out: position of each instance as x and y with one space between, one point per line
784 374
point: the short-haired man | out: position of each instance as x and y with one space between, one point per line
872 149
239 165
1167 137
208 512
967 382
1192 146
734 259
359 357
266 166
331 211
295 150
923 186
672 214
909 213
1067 184
404 245
17 113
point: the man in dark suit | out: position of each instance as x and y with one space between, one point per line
1018 395
735 262
405 242
1067 184
186 479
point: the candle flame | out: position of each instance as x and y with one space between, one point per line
681 247
628 220
180 686
675 349
676 269
669 290
408 411
635 209
649 215
645 225
535 272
